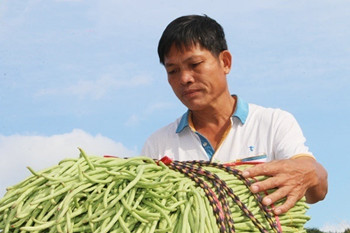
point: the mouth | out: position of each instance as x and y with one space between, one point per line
190 93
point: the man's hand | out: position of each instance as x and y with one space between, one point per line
293 178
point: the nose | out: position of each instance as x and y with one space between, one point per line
186 77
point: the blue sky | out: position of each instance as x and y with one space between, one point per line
86 73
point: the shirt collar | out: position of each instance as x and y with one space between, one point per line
241 112
183 122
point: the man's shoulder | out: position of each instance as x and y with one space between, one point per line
269 115
258 110
246 111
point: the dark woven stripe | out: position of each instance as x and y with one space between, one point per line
213 200
217 183
257 196
240 204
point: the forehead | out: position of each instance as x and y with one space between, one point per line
183 53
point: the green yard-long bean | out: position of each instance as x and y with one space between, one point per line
139 194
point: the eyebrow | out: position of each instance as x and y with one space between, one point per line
186 60
169 64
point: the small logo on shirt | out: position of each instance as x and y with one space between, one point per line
251 148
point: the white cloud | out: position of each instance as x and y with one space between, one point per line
97 88
133 120
39 152
336 227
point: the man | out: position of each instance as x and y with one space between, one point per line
222 127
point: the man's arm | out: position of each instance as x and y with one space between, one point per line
318 192
293 178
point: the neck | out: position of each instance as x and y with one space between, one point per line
214 124
216 115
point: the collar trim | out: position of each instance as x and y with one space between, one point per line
241 112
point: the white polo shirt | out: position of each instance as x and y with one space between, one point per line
256 133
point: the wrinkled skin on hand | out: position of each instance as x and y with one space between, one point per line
293 178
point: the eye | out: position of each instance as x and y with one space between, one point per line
172 71
196 64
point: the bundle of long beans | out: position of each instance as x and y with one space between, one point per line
139 194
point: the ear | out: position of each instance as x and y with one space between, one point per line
226 61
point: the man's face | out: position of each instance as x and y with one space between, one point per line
197 77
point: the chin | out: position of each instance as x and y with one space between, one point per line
194 104
195 107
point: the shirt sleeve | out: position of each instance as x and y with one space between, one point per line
289 138
149 149
155 145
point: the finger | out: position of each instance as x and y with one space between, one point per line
276 196
267 169
270 183
288 204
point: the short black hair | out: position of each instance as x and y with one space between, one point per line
189 30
